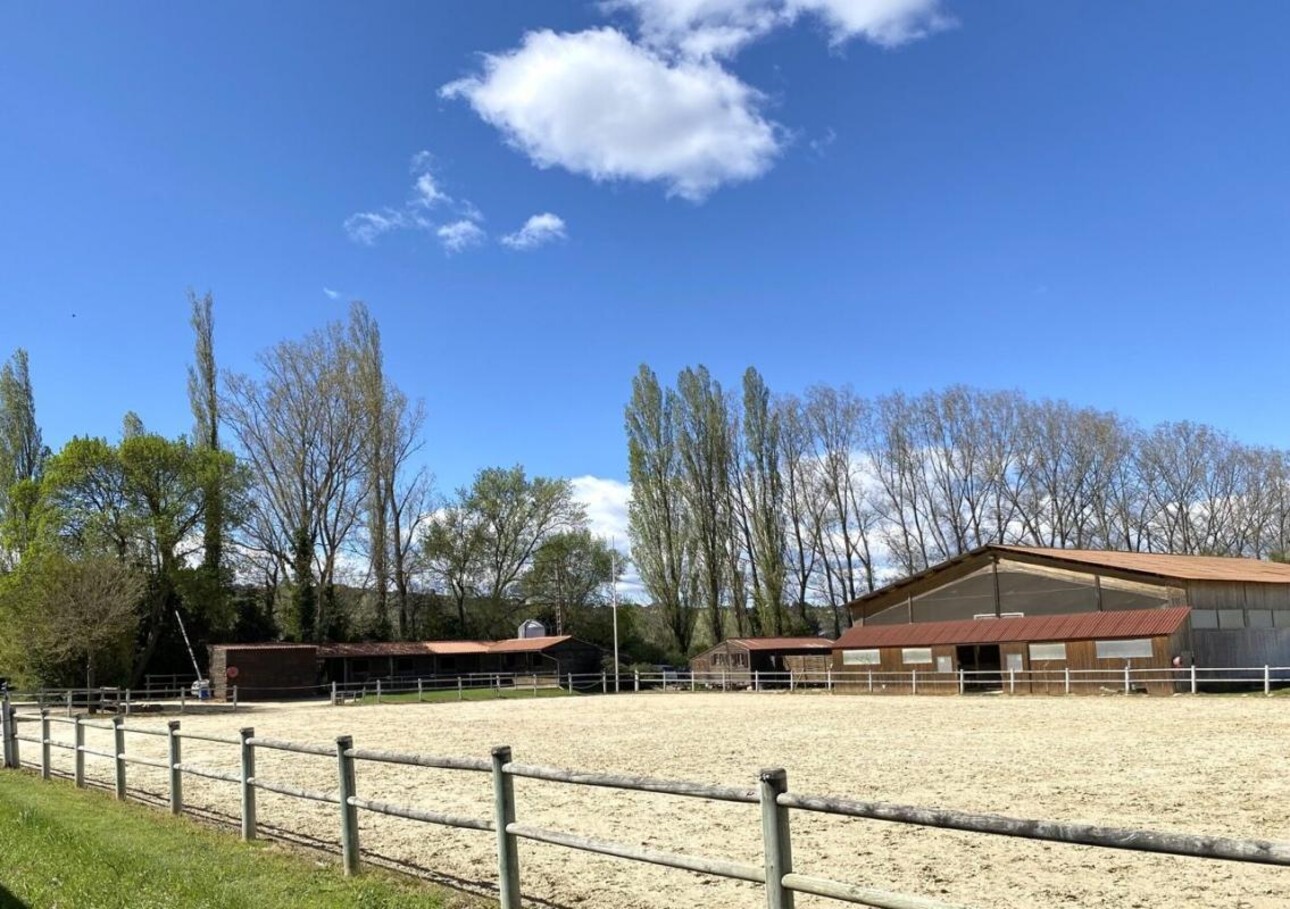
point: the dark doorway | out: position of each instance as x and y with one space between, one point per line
982 666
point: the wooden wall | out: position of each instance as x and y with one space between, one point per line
264 673
1080 655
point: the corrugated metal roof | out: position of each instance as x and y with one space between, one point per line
262 645
1084 626
402 648
1181 567
528 645
800 643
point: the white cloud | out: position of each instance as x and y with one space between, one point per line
595 103
537 231
658 104
331 294
460 235
428 192
606 503
723 27
366 227
887 23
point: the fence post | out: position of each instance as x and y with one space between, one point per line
692 682
1126 678
420 692
461 693
69 702
333 693
913 681
1067 673
248 788
5 741
756 680
535 687
183 699
961 685
636 680
1267 680
871 681
118 751
1012 681
14 753
44 744
78 756
174 756
378 691
723 680
127 702
1193 678
604 683
828 679
348 813
792 681
235 699
776 840
508 854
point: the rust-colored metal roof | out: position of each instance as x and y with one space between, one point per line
1181 567
402 649
800 643
1083 626
263 645
528 645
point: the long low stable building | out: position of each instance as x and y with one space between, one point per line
738 658
1028 654
275 670
1236 611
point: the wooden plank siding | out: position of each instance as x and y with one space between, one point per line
1080 656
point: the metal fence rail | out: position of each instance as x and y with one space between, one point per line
775 874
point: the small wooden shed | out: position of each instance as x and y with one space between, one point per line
264 672
736 659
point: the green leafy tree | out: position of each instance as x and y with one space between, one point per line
571 573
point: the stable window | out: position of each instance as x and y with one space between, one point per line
1124 650
1047 652
1231 618
1258 618
861 657
916 656
1204 619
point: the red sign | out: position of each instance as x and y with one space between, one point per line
232 672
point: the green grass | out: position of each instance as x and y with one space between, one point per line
80 849
469 694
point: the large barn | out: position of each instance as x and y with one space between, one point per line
1002 607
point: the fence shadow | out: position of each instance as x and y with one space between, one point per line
9 901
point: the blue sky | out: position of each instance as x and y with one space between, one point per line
1086 201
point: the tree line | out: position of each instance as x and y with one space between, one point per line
298 507
748 508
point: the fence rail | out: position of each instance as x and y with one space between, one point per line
776 803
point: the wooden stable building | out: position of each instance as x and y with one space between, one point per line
1239 608
1023 655
736 659
271 671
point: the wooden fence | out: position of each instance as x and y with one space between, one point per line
775 873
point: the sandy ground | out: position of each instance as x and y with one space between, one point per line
1214 766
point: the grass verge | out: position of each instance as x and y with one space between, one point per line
80 849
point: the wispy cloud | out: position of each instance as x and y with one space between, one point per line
460 235
427 193
537 231
331 294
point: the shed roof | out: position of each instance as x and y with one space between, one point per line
529 645
1168 565
784 643
402 648
264 645
1084 626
